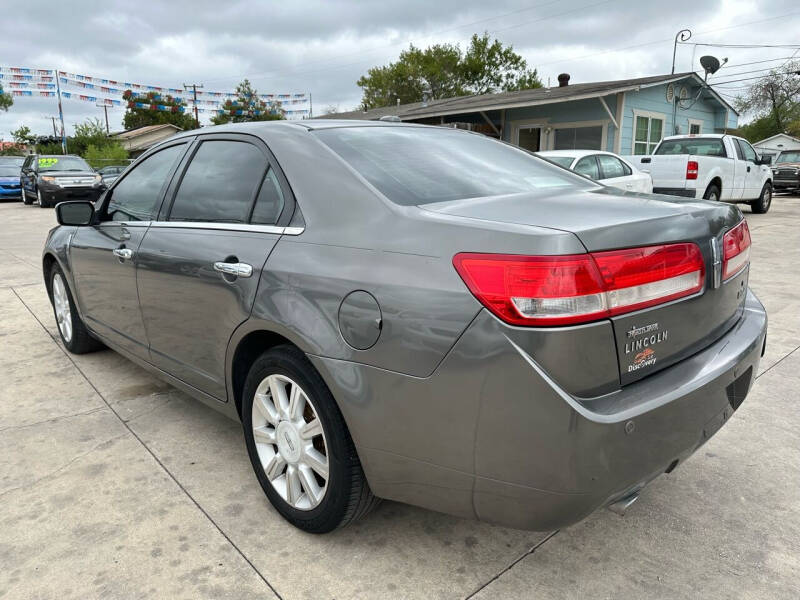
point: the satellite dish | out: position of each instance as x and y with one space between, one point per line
710 64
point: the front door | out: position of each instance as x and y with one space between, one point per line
752 182
529 138
104 256
200 263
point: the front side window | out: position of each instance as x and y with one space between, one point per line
220 183
747 150
612 166
136 197
647 133
421 165
696 146
578 138
588 166
564 161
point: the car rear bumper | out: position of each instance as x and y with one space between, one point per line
685 192
490 435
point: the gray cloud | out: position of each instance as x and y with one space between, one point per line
324 46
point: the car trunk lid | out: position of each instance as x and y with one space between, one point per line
650 339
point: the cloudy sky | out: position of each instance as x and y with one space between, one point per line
322 47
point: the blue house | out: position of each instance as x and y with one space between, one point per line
629 116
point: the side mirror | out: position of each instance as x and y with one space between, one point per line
75 213
764 161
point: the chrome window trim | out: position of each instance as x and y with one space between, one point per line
229 227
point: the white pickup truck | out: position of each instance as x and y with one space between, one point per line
710 166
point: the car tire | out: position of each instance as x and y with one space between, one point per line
712 193
764 201
73 332
26 198
41 200
289 456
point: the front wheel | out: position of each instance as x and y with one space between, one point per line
26 199
764 201
299 445
40 199
73 332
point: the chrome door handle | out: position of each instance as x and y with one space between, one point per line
235 269
123 253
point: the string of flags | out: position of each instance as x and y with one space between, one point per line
29 82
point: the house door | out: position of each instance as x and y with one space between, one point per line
529 138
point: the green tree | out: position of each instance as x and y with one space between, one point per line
23 135
108 154
91 132
775 97
253 108
140 117
444 71
6 100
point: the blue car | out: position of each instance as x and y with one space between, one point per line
9 181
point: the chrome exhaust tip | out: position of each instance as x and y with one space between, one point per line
621 506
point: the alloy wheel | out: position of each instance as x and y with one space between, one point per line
61 304
290 442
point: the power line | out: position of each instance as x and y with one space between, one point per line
755 62
735 80
790 46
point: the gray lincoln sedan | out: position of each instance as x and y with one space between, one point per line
417 313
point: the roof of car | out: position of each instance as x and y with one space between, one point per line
688 136
575 153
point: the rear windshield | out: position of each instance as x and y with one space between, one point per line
788 157
564 161
697 146
6 171
422 165
63 163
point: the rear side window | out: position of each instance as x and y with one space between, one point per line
269 203
696 146
421 165
612 166
220 183
136 197
588 166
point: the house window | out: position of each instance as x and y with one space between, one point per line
695 127
578 138
648 130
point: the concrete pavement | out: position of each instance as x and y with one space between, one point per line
113 484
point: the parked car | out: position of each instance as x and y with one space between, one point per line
427 315
786 171
50 179
110 173
710 166
604 167
9 181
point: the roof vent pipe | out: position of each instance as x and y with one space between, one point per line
563 80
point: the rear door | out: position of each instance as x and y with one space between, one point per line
201 261
104 257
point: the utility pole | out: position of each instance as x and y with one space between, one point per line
61 116
55 133
105 110
194 87
682 36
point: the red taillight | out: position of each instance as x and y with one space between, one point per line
564 290
691 169
735 250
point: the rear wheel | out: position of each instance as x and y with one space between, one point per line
764 201
299 445
712 193
73 332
